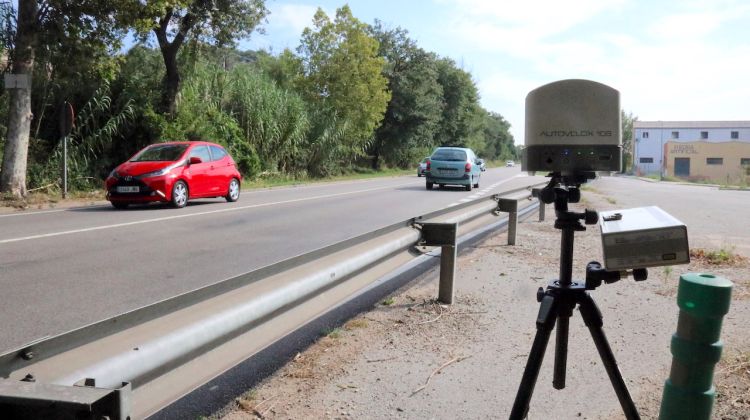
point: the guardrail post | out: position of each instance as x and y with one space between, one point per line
512 226
510 206
447 273
444 236
537 192
696 347
541 210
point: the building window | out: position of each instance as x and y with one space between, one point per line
745 161
644 134
714 161
675 134
735 134
704 135
647 160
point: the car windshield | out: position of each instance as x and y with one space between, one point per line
160 153
449 155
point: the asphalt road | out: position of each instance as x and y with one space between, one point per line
65 268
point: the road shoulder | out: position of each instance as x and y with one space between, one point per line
410 357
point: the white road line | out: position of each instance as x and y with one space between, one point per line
181 216
486 190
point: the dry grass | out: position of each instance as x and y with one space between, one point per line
333 334
720 257
356 324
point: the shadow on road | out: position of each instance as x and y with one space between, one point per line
435 189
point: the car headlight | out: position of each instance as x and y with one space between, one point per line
114 174
160 172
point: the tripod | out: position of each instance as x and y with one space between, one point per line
561 297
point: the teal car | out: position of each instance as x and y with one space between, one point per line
453 166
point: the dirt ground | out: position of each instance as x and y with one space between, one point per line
410 357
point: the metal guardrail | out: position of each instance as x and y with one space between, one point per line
147 348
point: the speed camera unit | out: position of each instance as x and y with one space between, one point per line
642 237
573 126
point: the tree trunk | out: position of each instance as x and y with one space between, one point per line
171 80
376 160
13 174
169 54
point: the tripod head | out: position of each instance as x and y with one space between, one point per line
596 274
564 189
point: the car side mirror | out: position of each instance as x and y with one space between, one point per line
194 160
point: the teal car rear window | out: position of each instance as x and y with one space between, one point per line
450 155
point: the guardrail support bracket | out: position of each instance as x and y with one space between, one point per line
31 399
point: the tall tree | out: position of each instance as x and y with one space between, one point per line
627 139
461 120
80 28
285 69
173 22
498 139
13 174
343 79
414 111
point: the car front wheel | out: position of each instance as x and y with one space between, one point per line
234 190
120 205
429 185
179 194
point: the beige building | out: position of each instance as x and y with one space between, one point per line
727 162
715 151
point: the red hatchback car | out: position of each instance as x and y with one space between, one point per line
173 173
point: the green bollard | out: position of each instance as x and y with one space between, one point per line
696 347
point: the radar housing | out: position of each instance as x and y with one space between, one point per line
573 126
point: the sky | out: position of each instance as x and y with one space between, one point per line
670 60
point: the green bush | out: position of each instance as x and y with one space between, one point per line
246 158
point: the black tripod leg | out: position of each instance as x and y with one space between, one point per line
593 319
561 351
545 322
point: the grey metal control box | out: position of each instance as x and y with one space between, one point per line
642 237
